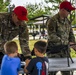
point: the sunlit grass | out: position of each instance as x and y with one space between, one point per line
73 53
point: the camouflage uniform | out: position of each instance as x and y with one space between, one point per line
8 31
59 33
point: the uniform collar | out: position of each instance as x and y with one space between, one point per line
60 19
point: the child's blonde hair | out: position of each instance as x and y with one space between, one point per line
10 47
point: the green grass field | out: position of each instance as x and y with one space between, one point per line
31 45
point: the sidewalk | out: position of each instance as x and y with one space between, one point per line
60 73
57 73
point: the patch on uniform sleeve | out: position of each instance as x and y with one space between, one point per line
51 29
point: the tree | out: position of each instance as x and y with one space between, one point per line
3 5
35 10
55 6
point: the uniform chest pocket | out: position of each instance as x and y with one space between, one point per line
9 33
63 28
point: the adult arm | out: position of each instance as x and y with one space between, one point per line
72 39
52 31
24 40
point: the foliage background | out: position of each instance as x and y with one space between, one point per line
35 10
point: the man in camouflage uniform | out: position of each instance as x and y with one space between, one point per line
60 34
11 25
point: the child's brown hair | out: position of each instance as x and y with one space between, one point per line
40 46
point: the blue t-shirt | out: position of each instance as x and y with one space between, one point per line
0 71
38 66
10 65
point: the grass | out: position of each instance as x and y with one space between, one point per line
73 53
31 45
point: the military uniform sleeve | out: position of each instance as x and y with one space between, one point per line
0 32
52 31
71 35
24 40
2 23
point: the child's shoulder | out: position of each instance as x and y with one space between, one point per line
35 59
46 59
5 56
17 58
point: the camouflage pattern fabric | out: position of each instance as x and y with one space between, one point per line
59 31
8 31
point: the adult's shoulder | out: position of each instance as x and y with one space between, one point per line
4 16
52 19
23 23
55 17
3 13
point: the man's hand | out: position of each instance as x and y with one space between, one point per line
22 58
27 61
73 45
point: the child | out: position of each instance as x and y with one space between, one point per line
10 62
38 65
